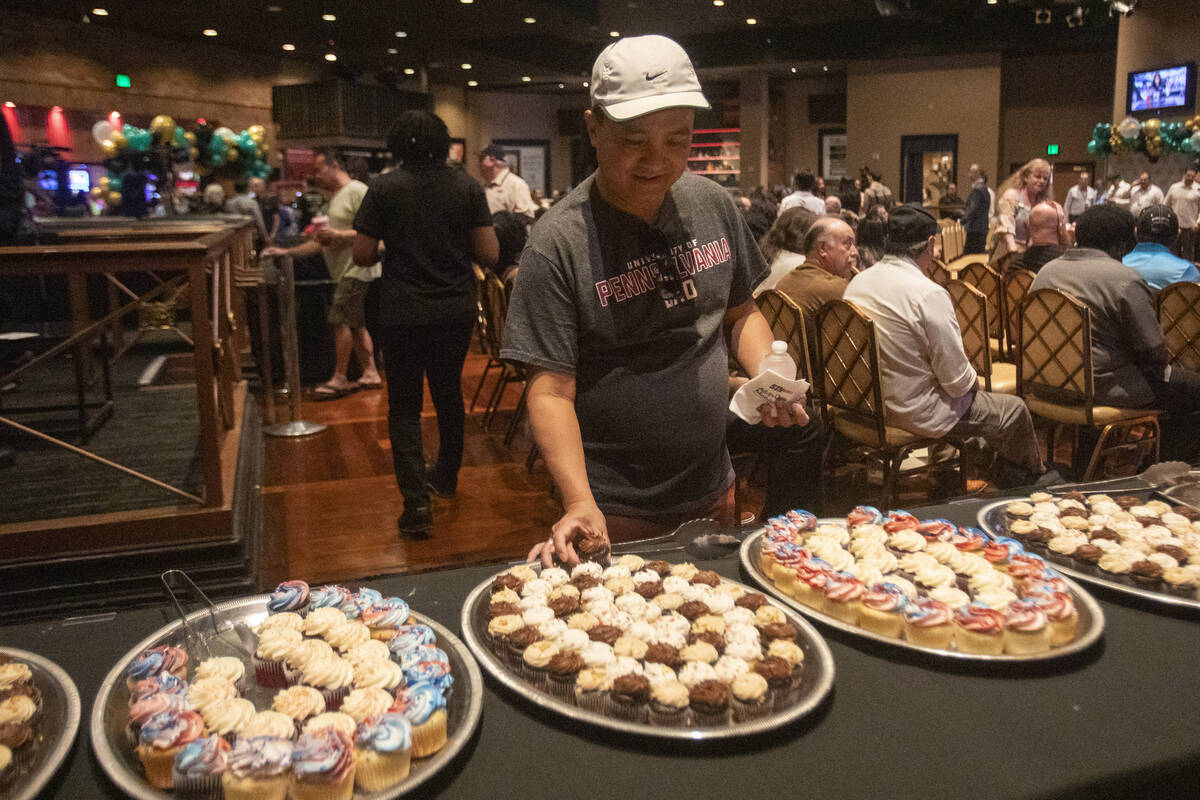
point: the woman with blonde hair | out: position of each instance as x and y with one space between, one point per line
1017 196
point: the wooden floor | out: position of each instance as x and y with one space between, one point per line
330 500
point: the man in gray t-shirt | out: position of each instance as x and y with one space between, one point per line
626 293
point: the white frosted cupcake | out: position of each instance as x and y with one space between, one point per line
226 667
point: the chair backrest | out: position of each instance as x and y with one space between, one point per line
496 305
1179 316
848 359
971 308
1055 349
986 280
787 325
481 302
940 273
1014 286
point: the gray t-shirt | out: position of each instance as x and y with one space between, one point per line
634 312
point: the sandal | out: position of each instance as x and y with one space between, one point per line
367 386
330 391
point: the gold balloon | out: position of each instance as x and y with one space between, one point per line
113 198
162 124
194 153
191 137
232 155
97 192
257 138
202 170
1151 127
256 130
119 140
263 149
104 181
109 147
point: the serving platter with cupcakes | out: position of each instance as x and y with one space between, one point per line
339 695
924 585
1143 544
39 718
662 650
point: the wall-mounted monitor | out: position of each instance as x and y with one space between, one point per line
1164 89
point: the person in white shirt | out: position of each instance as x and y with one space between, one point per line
505 190
1079 197
1184 199
929 386
1143 194
803 196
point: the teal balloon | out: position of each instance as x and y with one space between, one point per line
1091 147
218 157
140 140
114 183
180 137
1185 145
219 145
245 143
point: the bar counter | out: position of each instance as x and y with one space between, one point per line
1119 720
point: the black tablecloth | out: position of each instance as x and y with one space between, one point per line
1121 720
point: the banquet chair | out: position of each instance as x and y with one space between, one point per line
939 273
789 325
490 348
987 280
1014 285
971 308
1178 306
1055 378
852 388
510 372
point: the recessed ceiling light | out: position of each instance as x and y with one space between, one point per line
466 2
274 9
392 51
209 32
824 69
409 71
525 79
793 69
465 65
614 34
562 86
401 34
289 47
329 17
992 2
530 20
585 84
751 21
331 56
472 83
100 12
718 3
9 104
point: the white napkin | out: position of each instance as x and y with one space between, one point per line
766 388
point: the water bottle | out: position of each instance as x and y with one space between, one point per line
778 361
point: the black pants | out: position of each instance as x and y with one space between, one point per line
975 243
1179 397
793 461
411 353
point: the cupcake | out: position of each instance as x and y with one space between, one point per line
268 659
709 701
322 766
362 704
883 610
225 667
257 768
327 597
348 634
332 676
226 717
152 704
157 660
499 629
299 703
843 597
979 629
339 721
289 596
283 621
411 635
161 739
297 658
537 661
515 644
17 678
782 677
199 766
928 623
668 705
424 706
378 673
206 691
751 697
320 621
662 653
382 752
368 651
1025 629
268 723
591 688
629 697
563 669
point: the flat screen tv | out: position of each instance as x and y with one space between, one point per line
1168 88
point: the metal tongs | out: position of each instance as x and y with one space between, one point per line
200 644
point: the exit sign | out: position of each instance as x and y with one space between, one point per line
123 81
1051 149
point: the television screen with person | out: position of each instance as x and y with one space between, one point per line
1169 87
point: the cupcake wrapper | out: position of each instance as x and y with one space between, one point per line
563 688
252 789
430 735
159 765
710 719
291 677
334 697
539 678
744 712
300 790
374 772
782 697
197 787
668 717
269 673
591 701
621 708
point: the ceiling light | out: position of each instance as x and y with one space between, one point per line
525 79
409 71
793 69
1041 16
209 32
289 47
751 21
1075 18
465 65
1124 7
466 2
100 12
9 104
718 3
824 69
401 34
331 56
614 34
992 2
472 83
274 9
530 20
585 84
329 17
392 51
562 86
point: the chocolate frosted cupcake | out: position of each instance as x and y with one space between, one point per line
662 653
779 630
751 697
502 609
663 568
584 581
693 609
778 673
604 633
707 577
517 641
751 600
592 547
1088 553
709 701
711 637
564 601
649 589
1146 573
563 669
629 697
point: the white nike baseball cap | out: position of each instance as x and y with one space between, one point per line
642 74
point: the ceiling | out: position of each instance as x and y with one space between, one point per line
556 50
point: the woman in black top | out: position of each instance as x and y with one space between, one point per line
434 222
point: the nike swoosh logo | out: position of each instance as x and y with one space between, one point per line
658 74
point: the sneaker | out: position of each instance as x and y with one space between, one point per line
1050 477
415 519
432 484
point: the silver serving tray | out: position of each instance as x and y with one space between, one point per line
55 728
818 680
993 520
110 713
1089 629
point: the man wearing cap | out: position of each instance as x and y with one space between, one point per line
1184 199
630 288
929 386
1157 233
505 191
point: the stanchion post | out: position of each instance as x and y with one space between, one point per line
291 357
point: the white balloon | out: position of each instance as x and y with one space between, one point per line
224 133
102 130
1196 142
1129 128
